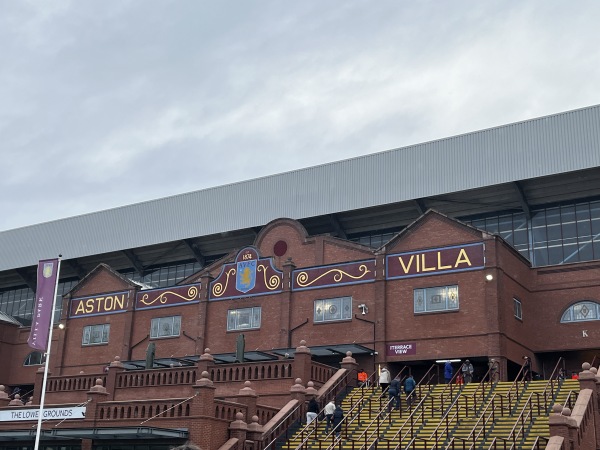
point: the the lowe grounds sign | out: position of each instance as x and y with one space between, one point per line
76 412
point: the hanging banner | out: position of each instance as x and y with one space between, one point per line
47 278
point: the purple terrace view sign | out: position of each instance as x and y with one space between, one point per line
175 295
401 349
435 261
249 275
111 303
334 275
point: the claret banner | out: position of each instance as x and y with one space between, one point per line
47 278
458 258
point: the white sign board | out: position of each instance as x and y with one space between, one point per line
77 412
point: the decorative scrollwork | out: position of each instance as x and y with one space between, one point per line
303 277
274 280
218 289
164 296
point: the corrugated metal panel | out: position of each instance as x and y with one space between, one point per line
555 144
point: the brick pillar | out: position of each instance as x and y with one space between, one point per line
310 390
205 281
298 392
562 425
4 398
588 380
86 444
96 394
285 305
238 429
302 362
350 364
203 404
379 316
38 383
16 401
114 369
248 396
206 360
254 431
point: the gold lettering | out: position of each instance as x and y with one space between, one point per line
109 306
98 301
462 258
120 302
80 308
439 266
404 267
424 268
89 305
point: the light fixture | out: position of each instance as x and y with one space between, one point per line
364 309
61 326
442 361
489 277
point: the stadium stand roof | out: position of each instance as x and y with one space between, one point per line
512 167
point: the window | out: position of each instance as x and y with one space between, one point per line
243 319
165 327
34 359
518 309
433 299
332 309
95 334
581 312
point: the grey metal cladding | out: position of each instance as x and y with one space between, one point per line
559 143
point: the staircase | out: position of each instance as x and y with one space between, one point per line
475 416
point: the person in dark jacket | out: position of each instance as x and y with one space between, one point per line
448 372
312 410
409 390
394 394
338 416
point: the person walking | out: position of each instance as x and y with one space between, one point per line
467 371
384 379
338 416
363 378
312 410
329 411
448 372
394 394
409 390
527 369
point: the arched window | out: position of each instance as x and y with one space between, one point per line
581 311
34 359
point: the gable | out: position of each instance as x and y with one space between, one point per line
100 280
433 230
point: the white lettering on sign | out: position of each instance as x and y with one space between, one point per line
401 349
77 412
584 332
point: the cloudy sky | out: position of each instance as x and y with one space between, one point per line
108 103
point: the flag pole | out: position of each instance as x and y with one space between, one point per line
43 394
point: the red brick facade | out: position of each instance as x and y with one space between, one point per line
483 326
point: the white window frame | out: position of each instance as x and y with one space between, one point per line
570 314
446 296
332 309
244 318
38 356
103 329
518 308
172 324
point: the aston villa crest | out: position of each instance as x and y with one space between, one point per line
48 269
246 275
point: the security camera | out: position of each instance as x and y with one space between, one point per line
363 308
377 353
